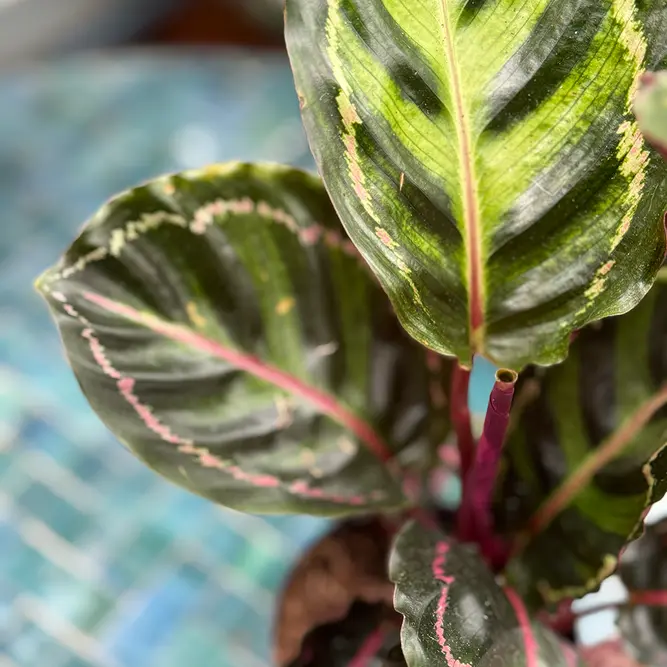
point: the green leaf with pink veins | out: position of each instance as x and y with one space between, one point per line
484 158
223 326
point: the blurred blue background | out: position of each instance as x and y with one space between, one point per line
102 564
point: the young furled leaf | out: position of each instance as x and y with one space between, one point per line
455 613
585 457
643 621
651 109
223 326
484 158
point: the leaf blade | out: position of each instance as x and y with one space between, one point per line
464 172
454 612
588 451
222 325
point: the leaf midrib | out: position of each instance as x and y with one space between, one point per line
469 192
324 402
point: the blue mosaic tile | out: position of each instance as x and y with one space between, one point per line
44 504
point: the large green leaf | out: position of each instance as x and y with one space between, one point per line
585 458
644 571
484 158
225 329
455 613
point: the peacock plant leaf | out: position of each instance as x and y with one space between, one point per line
224 327
586 457
651 109
456 615
484 158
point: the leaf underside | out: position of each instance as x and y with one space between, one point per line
223 326
484 158
584 459
454 612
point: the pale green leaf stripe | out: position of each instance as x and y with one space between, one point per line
486 162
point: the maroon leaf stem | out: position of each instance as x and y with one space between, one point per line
647 598
460 417
475 520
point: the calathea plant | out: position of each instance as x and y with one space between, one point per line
488 187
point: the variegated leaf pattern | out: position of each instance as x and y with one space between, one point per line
585 456
224 327
455 613
483 156
651 109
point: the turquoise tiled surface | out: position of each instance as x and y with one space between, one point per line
102 564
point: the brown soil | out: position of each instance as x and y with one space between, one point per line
348 565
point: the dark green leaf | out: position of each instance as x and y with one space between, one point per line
585 457
455 613
651 109
225 329
644 572
484 158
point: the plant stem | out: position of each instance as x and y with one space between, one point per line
648 598
475 519
460 417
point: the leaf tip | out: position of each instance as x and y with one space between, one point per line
40 284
